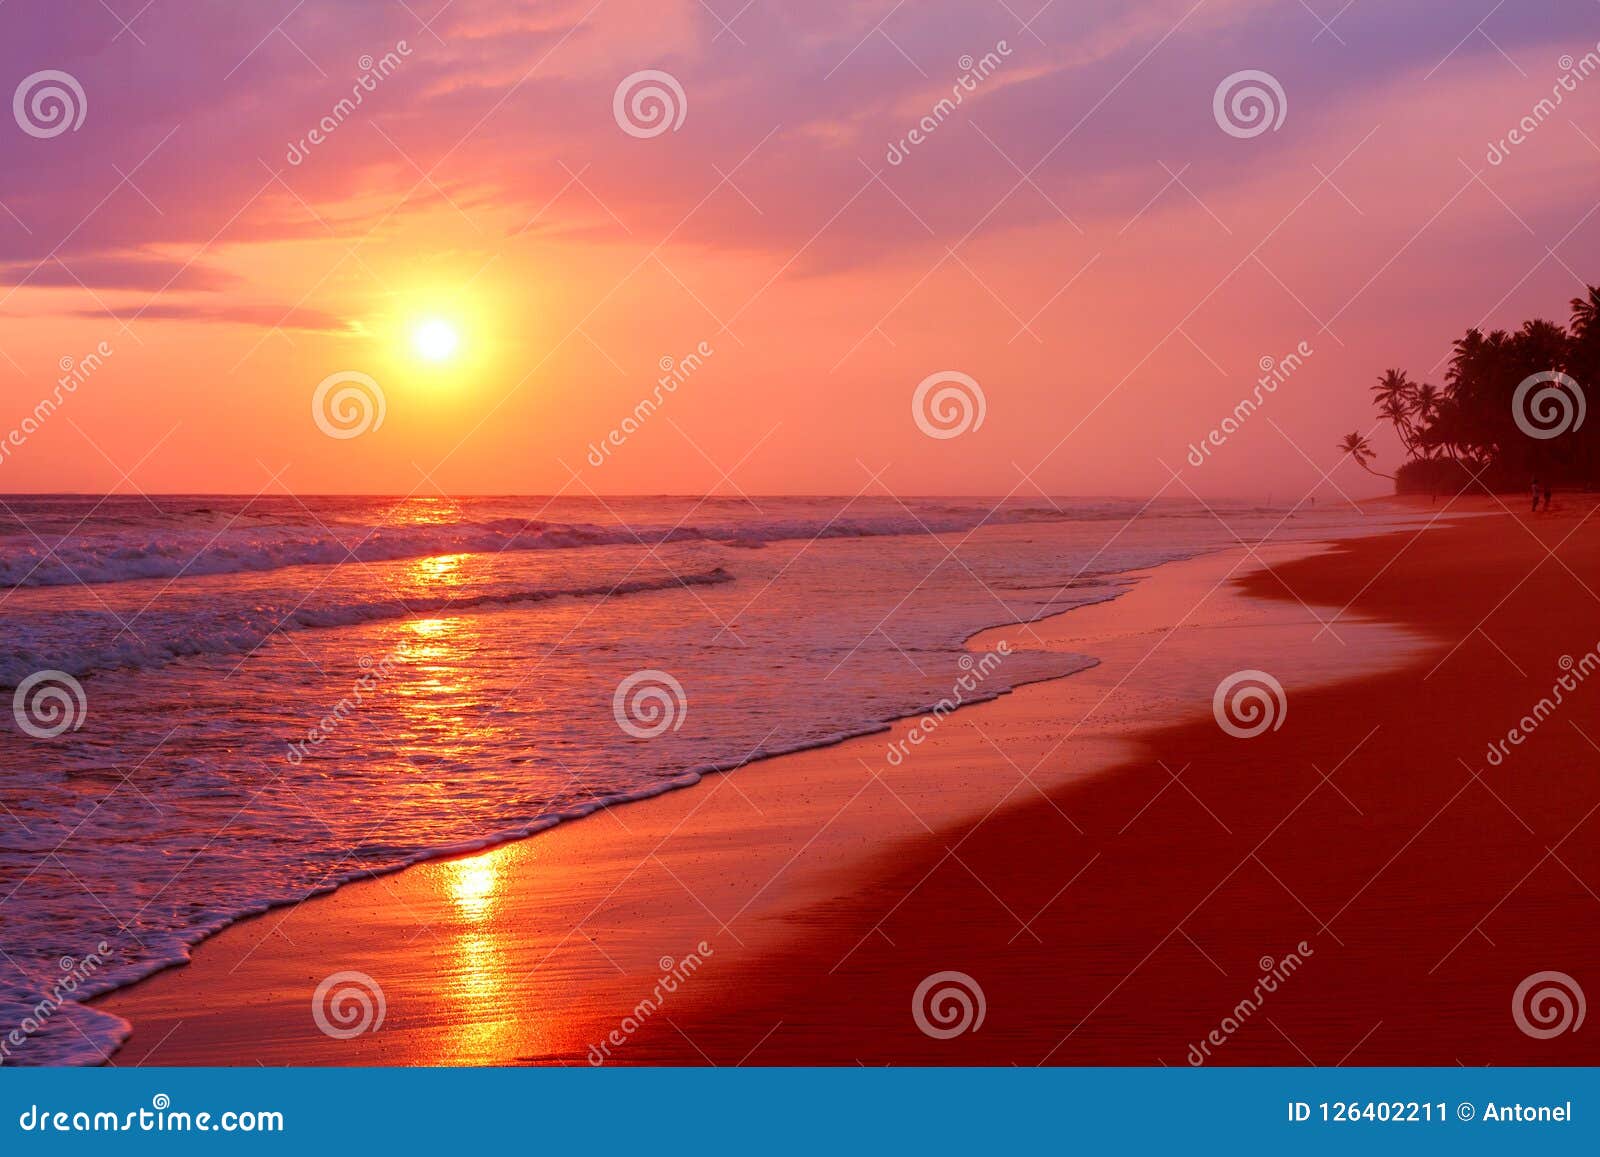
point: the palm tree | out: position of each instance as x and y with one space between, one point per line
1394 399
1393 384
1425 400
1473 418
1444 432
1586 314
1584 364
1356 447
1398 412
1476 386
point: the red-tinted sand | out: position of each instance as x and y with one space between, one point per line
1426 883
1118 921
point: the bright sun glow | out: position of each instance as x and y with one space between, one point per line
435 340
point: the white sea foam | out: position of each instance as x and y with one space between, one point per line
99 640
173 811
131 555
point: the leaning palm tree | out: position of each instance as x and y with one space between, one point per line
1356 447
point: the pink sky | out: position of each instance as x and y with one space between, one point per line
1080 236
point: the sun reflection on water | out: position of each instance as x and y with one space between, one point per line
450 713
440 568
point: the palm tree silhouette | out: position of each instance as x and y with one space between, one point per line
1586 311
1425 400
1356 447
1395 399
1471 427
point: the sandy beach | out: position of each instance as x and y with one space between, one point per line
1111 869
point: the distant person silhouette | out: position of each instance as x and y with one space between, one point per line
1548 494
1535 509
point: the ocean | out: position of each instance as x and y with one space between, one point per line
223 704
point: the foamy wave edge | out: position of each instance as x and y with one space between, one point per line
113 1030
22 661
128 557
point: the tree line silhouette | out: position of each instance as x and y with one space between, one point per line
1512 408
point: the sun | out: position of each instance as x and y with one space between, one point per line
435 339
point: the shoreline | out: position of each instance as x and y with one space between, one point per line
434 893
1359 887
687 778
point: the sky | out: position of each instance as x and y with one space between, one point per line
1094 251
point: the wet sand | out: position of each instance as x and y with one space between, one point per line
1111 869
